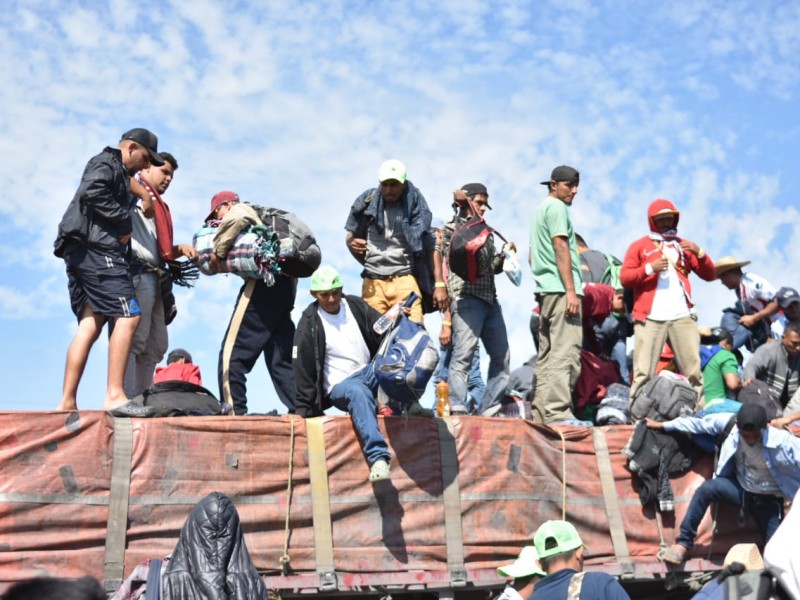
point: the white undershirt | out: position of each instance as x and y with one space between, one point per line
669 302
345 349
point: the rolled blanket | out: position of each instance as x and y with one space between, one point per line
254 253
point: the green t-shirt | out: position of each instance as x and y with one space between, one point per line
714 375
551 220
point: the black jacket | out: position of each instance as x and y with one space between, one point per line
211 561
100 211
309 353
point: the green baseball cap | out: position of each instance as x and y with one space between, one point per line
527 564
555 537
325 278
392 169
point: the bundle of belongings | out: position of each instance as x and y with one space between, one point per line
254 241
655 455
253 253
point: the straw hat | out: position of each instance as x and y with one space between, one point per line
726 263
746 554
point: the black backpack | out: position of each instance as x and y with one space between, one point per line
471 250
759 392
180 398
300 254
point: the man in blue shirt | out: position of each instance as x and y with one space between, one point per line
757 474
561 550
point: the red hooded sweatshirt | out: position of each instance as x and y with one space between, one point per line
648 250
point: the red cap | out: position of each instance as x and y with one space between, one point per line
221 198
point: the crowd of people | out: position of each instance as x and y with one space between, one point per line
116 239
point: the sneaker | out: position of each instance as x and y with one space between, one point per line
674 555
379 471
458 409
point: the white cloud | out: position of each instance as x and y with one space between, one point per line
296 104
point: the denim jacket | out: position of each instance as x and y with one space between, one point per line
781 449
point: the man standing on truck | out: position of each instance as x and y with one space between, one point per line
557 272
560 551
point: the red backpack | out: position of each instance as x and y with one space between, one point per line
471 247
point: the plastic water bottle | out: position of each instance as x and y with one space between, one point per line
511 265
387 319
442 399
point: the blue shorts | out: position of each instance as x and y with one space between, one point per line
103 281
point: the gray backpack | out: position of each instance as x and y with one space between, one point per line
664 398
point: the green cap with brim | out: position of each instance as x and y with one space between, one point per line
325 278
392 169
555 537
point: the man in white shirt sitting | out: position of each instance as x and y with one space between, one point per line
332 360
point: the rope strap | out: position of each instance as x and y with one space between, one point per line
563 475
284 561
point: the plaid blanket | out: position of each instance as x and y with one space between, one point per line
254 254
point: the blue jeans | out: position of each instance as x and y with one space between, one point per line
475 386
766 510
474 319
356 396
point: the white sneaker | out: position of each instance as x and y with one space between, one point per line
379 471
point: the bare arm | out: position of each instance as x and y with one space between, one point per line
138 190
732 381
441 298
765 313
564 265
357 247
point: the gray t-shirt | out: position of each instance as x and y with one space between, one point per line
388 253
752 472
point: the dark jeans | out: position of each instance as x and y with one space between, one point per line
766 510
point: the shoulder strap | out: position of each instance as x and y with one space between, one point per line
153 586
575 585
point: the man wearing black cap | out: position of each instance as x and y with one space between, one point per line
758 467
93 239
474 309
789 302
557 272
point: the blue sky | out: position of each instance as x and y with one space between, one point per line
296 104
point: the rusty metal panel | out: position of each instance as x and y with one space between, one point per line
55 477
